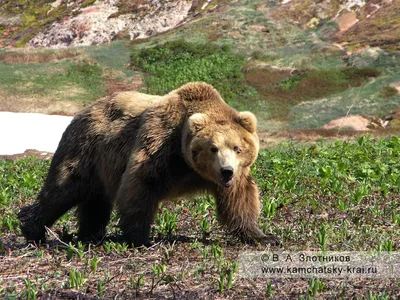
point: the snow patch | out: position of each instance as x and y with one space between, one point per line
22 131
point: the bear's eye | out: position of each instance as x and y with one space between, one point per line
237 149
214 149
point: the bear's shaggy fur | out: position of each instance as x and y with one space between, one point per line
136 150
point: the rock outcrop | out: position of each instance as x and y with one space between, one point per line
101 23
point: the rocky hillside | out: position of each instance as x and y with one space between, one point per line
65 23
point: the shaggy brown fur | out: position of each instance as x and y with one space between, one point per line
136 150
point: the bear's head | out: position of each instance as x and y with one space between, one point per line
220 150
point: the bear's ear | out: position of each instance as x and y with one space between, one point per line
197 122
248 121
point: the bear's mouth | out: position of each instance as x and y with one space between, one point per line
227 182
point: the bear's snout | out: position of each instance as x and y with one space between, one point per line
227 176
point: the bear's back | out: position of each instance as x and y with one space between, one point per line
135 103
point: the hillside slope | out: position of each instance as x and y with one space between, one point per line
65 23
298 64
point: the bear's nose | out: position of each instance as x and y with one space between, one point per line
227 172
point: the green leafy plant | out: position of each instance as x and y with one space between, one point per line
94 263
72 250
30 290
315 286
76 279
100 287
137 282
166 223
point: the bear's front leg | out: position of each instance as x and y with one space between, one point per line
137 202
238 208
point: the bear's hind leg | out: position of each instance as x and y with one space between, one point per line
31 223
94 215
61 191
53 201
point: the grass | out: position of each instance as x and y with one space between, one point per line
37 57
341 196
84 78
168 66
114 58
366 100
284 89
74 77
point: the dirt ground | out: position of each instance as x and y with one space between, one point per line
358 123
346 20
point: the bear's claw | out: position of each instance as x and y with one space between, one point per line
269 239
263 239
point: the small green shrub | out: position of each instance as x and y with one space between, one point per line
87 75
170 65
388 91
86 3
358 76
289 83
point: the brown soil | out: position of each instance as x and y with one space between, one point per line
346 20
380 29
114 86
396 85
356 122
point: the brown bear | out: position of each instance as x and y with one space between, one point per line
136 150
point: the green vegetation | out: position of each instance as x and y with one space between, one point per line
89 76
113 57
388 91
364 100
170 65
64 80
283 90
73 77
341 196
